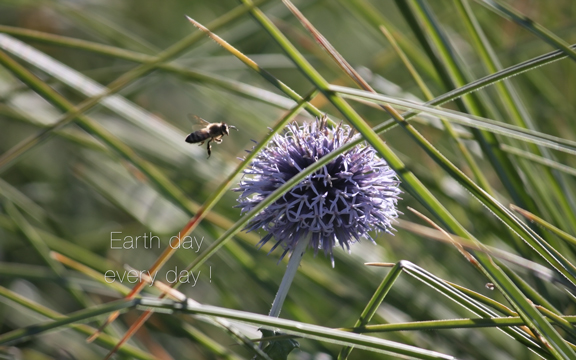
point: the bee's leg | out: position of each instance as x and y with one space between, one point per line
201 143
209 148
218 139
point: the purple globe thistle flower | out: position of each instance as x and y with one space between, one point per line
338 204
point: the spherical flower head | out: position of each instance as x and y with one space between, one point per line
338 204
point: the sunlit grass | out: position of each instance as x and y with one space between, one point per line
471 103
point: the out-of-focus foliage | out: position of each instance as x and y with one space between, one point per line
77 189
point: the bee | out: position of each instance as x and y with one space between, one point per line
211 131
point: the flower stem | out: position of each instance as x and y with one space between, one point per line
291 269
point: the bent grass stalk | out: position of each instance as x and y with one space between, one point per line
308 330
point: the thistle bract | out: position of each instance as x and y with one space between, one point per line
338 204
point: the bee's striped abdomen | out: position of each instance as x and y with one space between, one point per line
197 137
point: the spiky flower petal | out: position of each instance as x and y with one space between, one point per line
338 204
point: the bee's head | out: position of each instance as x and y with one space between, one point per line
226 128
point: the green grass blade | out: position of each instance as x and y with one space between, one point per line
375 19
114 86
554 193
162 130
104 340
556 259
254 66
34 238
161 181
464 246
23 334
477 122
373 304
73 43
75 136
30 272
104 28
526 310
500 75
530 292
449 290
298 328
462 299
22 201
137 57
448 63
545 307
441 325
529 24
493 304
43 250
539 159
65 247
248 92
29 54
562 234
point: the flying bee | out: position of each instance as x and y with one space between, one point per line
210 131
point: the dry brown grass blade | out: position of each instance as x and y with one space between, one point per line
460 248
168 252
539 270
452 239
328 47
168 290
338 58
545 224
165 289
194 221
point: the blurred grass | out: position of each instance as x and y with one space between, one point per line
131 172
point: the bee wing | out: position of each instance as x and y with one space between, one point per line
197 122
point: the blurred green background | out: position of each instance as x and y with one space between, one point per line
73 189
